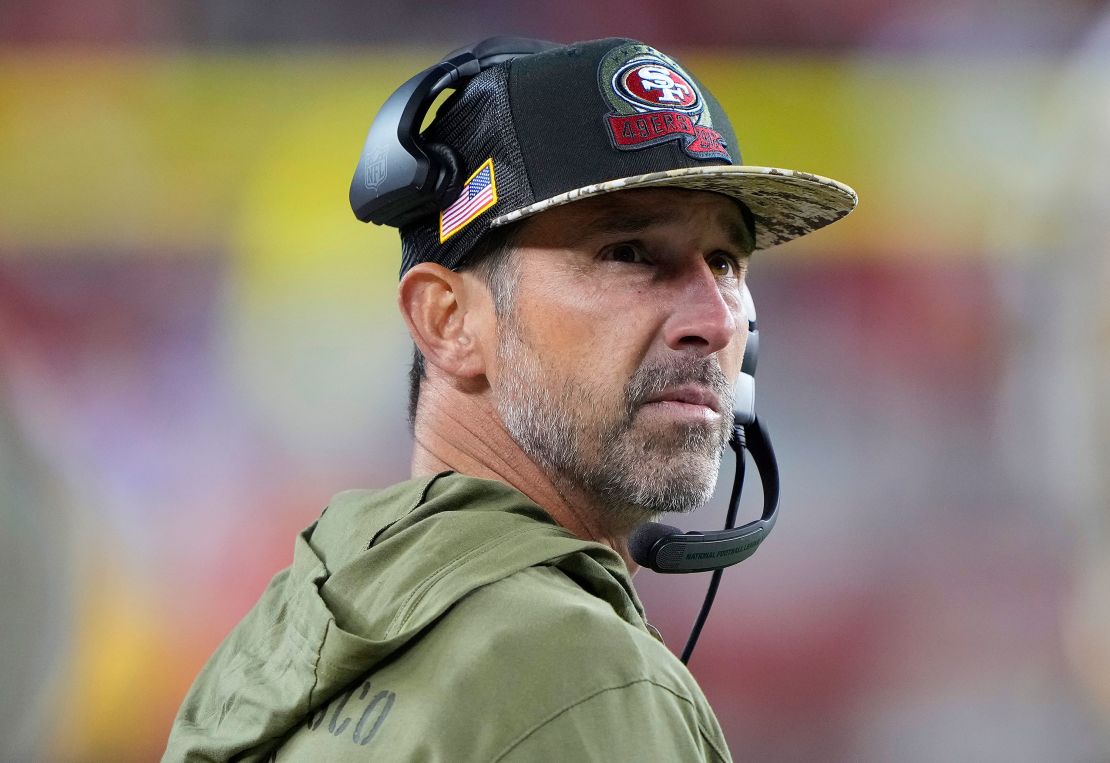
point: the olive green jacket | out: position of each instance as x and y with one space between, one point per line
446 618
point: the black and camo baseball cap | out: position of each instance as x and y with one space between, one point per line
594 117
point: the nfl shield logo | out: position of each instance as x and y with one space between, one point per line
375 170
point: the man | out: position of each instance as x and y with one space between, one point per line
576 305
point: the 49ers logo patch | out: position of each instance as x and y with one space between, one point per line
652 85
655 101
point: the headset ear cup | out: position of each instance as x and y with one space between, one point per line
447 171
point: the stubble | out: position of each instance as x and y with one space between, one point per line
587 441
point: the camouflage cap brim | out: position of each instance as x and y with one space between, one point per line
786 204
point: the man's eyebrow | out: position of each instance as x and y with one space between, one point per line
631 222
618 222
740 236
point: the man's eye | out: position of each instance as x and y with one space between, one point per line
723 265
626 253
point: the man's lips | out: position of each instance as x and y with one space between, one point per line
690 394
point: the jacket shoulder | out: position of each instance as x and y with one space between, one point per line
596 687
518 670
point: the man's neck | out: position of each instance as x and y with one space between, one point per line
462 433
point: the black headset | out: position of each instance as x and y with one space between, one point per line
400 178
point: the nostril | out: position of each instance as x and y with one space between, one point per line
693 340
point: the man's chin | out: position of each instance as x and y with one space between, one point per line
678 482
677 443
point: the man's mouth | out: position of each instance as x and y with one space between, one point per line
687 395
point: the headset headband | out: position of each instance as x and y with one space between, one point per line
399 178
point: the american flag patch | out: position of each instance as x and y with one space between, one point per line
478 195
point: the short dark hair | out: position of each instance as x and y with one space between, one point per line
490 259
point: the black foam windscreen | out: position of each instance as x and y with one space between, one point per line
644 538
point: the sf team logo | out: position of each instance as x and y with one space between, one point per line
654 101
656 86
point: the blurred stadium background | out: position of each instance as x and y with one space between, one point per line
198 346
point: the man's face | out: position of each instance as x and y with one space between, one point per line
616 362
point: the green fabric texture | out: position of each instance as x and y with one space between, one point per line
446 618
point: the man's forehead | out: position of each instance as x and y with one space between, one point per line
633 211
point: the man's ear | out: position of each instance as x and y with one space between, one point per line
437 305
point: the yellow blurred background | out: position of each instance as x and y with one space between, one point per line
198 347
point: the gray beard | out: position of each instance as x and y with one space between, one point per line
631 474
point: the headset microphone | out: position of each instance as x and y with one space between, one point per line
663 548
667 549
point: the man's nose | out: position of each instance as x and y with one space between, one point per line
701 319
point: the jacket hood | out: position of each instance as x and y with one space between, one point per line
375 571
